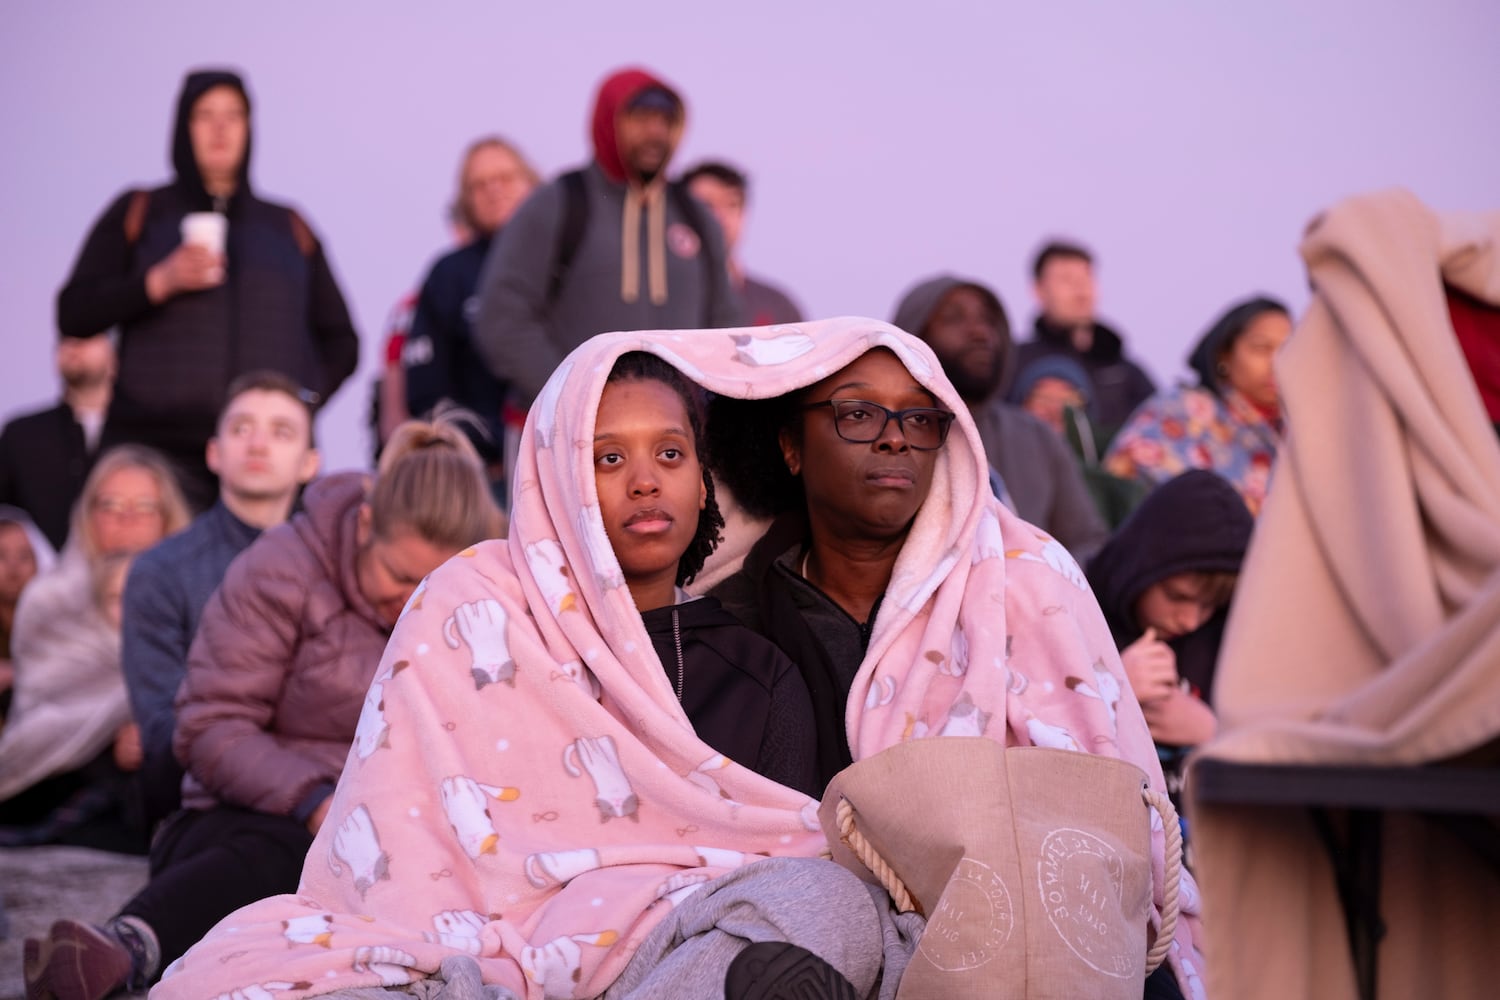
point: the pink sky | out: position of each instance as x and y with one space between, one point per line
1188 144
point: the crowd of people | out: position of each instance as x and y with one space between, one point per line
549 699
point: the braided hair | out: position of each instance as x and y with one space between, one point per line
640 366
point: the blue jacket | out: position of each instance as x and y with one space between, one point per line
168 586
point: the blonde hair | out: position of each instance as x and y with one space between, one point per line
174 509
458 210
1216 586
102 574
432 482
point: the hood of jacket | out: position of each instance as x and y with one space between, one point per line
1057 366
41 549
194 86
917 306
1204 358
614 94
1194 523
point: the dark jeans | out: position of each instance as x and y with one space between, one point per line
161 788
1162 984
96 806
205 864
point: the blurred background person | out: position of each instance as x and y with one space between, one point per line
1034 474
1056 390
388 408
263 454
609 246
276 681
439 360
205 281
726 191
1229 422
24 553
45 456
1165 581
60 776
1067 323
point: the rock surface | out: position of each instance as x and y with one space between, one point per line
41 884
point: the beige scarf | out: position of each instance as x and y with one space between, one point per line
653 199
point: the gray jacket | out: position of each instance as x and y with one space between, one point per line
1044 480
523 337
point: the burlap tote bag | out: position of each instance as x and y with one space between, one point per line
1032 865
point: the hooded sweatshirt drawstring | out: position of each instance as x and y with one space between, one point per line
656 240
652 197
614 93
654 201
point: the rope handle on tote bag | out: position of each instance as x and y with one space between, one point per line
1172 827
871 859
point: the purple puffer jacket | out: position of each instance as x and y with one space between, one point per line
277 674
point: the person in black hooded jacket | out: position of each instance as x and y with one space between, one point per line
1063 282
191 319
1164 581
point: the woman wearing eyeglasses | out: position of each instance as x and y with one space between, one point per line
69 744
843 466
914 603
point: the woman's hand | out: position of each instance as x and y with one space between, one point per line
189 268
1181 720
1152 668
128 752
315 821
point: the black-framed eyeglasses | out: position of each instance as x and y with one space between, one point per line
860 421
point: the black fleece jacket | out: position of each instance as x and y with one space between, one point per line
743 696
279 306
1196 522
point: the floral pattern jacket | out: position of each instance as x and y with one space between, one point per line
1193 428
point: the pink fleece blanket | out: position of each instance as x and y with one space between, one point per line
524 786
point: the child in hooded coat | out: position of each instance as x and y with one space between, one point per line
1164 581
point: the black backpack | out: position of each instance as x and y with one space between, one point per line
576 219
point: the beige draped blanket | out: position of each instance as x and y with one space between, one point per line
1366 626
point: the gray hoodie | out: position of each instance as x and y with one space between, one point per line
523 334
1044 481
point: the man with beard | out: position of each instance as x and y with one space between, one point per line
612 246
46 456
966 326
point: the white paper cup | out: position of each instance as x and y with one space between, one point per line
205 229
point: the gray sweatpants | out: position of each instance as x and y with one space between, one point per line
808 901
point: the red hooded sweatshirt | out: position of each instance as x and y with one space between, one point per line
614 93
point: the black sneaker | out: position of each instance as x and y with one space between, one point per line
776 970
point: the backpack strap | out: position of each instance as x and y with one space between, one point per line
575 220
570 233
135 216
302 233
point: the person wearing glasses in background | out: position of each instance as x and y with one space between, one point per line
69 748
